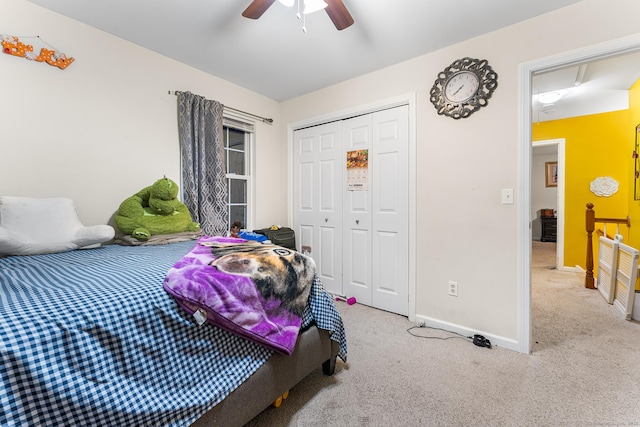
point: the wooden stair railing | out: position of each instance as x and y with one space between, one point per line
591 220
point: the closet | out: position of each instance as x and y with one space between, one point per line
354 221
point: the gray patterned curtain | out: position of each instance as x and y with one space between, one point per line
204 185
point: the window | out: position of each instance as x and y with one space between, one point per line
237 143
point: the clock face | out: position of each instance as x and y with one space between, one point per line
461 86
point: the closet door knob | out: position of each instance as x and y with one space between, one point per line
326 220
357 221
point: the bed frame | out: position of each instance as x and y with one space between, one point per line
278 375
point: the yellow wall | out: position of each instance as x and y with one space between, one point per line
596 145
634 205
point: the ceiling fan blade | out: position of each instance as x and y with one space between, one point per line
257 8
339 14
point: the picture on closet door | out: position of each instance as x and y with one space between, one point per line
357 170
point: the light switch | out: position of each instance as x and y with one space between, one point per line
507 196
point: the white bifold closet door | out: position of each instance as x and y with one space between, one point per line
317 187
375 237
359 239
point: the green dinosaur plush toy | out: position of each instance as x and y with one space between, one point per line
154 210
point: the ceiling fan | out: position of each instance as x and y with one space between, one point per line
335 9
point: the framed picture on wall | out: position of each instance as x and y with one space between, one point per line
551 174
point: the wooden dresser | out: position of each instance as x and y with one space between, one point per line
549 229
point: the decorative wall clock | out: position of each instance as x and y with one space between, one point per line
463 87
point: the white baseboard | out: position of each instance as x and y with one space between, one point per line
499 341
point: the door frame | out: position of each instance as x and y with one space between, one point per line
408 99
526 70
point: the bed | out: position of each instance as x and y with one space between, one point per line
91 337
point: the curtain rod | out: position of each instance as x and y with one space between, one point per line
263 119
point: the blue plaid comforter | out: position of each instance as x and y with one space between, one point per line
90 337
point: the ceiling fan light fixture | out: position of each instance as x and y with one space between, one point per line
311 6
337 11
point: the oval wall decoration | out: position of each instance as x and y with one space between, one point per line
604 186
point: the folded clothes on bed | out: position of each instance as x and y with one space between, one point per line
158 239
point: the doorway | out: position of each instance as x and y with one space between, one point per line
527 70
551 150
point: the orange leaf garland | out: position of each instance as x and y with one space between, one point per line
13 46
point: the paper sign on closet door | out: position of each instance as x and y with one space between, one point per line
357 170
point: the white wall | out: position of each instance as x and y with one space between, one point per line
106 127
463 231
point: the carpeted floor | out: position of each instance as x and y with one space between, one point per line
581 372
543 254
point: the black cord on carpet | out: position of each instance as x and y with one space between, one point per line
459 336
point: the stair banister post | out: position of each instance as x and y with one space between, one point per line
590 227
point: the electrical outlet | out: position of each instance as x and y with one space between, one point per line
453 289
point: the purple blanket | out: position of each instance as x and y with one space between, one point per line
253 290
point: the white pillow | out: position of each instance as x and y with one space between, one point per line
30 226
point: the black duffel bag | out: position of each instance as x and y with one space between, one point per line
282 236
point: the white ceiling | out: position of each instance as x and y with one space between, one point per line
273 57
600 86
